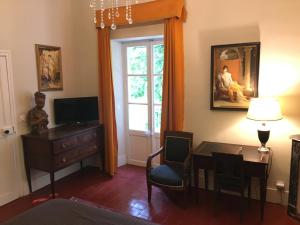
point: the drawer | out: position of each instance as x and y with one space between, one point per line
75 141
86 138
89 150
65 144
64 159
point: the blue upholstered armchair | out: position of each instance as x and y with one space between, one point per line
174 170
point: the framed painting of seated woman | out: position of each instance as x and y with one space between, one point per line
234 75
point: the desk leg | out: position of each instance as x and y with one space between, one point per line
196 179
263 191
206 179
52 184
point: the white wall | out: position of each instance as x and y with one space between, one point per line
86 47
26 23
68 24
116 51
276 25
51 22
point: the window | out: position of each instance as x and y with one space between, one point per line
144 71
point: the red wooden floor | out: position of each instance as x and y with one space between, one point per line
127 193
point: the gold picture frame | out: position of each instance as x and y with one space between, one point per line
49 68
234 75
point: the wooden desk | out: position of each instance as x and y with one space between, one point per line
256 163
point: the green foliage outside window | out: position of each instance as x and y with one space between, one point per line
158 89
137 87
158 57
137 68
137 60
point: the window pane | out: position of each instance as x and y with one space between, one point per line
158 59
137 60
138 117
158 89
137 89
157 118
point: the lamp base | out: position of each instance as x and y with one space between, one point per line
263 149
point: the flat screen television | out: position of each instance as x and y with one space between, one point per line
76 110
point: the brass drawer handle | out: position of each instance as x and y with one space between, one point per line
63 160
64 145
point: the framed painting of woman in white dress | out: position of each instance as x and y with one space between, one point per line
234 75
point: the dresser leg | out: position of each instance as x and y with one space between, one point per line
81 165
28 174
52 180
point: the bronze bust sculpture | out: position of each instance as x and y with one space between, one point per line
37 117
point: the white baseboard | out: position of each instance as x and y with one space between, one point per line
7 197
41 179
273 195
136 162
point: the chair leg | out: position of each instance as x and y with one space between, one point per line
216 195
242 204
185 193
149 187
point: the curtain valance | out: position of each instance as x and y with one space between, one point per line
149 12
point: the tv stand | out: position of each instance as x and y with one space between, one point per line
62 147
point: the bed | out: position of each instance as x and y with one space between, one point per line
68 212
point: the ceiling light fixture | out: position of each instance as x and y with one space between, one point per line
113 11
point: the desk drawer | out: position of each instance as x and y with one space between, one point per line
203 162
255 170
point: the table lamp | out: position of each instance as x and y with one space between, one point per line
264 110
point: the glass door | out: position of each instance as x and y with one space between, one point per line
144 69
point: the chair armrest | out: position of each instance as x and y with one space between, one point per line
149 160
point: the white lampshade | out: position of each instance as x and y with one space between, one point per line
264 109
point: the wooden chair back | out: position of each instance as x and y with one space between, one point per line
178 146
228 168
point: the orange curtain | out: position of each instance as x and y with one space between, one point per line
173 78
107 101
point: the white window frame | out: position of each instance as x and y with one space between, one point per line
150 94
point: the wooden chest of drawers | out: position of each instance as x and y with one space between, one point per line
294 187
61 147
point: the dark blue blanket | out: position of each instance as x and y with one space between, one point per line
67 212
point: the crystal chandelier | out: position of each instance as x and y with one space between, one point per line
113 11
